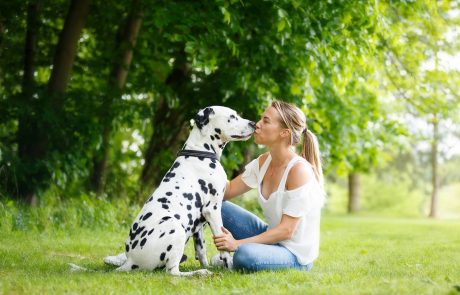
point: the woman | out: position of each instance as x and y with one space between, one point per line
290 192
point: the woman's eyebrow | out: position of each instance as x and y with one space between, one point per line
265 117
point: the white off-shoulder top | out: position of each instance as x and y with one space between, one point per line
305 202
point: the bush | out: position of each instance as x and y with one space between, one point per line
53 213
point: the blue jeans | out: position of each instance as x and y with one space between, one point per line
252 256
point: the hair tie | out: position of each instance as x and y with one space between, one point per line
305 130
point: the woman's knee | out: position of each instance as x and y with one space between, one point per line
244 257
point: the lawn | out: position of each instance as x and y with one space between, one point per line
359 255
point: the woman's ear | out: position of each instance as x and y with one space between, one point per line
285 133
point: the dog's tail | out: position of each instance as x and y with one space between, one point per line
75 268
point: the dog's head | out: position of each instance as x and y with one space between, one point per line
223 123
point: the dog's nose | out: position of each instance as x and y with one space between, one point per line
252 125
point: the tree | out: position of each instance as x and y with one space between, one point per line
413 41
126 40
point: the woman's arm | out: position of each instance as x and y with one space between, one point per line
235 187
283 231
299 175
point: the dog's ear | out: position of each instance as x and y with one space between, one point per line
202 118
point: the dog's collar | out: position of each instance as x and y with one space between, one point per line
199 154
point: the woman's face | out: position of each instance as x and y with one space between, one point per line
269 129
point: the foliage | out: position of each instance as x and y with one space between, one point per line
54 213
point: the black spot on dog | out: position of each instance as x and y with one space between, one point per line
166 180
188 196
162 235
215 207
213 149
212 138
134 244
184 257
150 232
127 248
189 207
140 218
143 242
177 216
212 190
170 175
150 199
169 248
217 130
143 234
206 146
202 119
164 206
162 200
212 165
171 232
198 203
134 266
164 219
177 187
217 136
203 185
175 165
147 216
201 158
169 194
162 256
135 226
207 204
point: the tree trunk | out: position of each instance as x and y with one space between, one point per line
168 123
126 40
33 134
434 170
353 193
26 152
67 48
168 130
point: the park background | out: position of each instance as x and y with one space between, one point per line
96 98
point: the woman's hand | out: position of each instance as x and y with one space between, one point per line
225 241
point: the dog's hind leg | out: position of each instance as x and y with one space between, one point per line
200 248
117 260
174 257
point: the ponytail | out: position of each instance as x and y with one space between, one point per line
310 151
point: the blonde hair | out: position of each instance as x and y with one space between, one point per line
294 119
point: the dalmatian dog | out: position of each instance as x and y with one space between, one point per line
189 196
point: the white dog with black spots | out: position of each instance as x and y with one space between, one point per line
190 194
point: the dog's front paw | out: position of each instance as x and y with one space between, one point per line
224 260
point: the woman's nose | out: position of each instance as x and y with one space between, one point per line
258 125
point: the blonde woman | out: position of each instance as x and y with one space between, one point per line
290 192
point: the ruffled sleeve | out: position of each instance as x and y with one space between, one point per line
298 202
250 174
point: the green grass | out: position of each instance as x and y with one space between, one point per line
359 255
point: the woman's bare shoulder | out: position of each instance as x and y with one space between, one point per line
300 174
